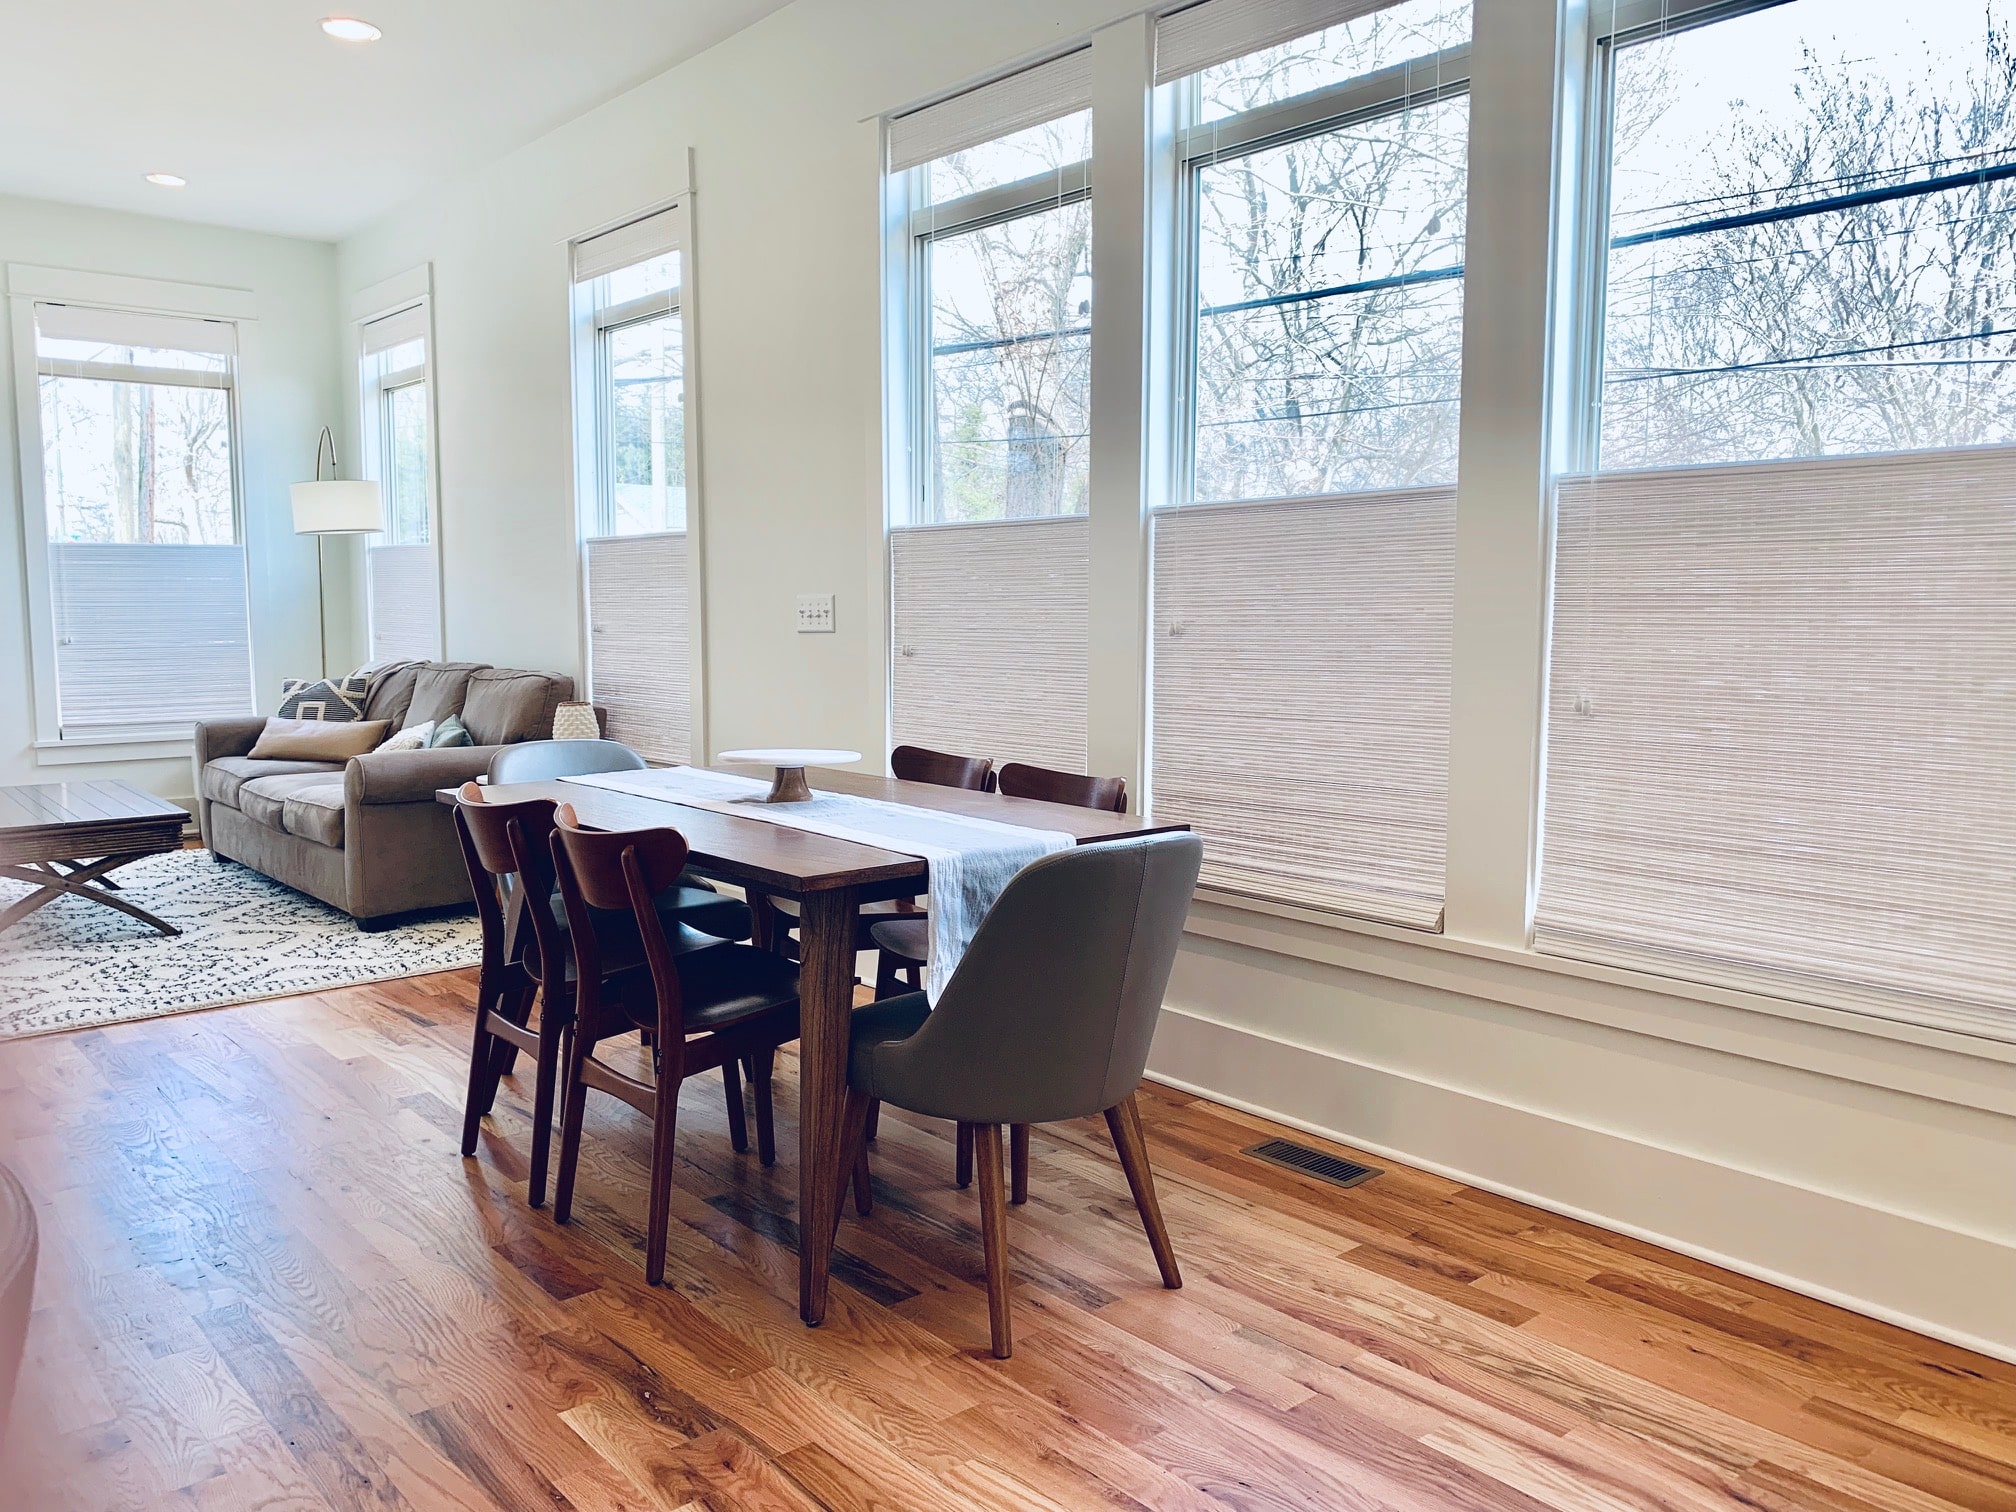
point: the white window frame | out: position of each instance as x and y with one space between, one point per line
411 290
27 286
588 329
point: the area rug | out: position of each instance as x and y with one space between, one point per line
244 937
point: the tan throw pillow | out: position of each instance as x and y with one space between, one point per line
318 739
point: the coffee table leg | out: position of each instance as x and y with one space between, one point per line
825 1004
76 883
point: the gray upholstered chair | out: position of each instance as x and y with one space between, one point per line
1048 1017
550 760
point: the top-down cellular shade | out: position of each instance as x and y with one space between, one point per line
988 639
639 241
1781 731
639 655
1199 36
396 329
1301 696
1029 98
405 602
178 333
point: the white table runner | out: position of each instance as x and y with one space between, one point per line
971 860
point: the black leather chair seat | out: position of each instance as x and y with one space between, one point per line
907 938
723 984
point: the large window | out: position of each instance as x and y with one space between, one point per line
1781 710
1303 578
135 546
404 579
631 420
988 546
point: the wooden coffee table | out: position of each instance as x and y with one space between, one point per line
64 837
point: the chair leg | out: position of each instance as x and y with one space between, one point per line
665 1123
886 980
763 1062
993 1232
482 1066
962 1170
1018 1163
874 1119
517 1008
853 1151
573 1105
1124 1122
738 1127
556 1015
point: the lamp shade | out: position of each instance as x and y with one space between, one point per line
337 507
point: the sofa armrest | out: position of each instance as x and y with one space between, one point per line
412 776
227 737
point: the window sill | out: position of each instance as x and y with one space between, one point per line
141 745
1941 1064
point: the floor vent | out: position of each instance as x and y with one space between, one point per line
1331 1168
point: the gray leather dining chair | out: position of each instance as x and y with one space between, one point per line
696 904
1047 1017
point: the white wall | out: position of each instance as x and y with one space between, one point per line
1876 1165
289 387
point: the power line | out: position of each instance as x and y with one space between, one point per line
1777 362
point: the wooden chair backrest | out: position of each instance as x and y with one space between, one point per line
1019 780
606 872
916 764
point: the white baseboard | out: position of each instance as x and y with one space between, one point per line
1950 1284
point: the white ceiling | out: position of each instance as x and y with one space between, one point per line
277 127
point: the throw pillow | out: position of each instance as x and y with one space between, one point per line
330 698
412 738
318 739
449 732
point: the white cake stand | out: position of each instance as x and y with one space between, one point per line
789 762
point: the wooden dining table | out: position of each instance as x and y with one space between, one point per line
829 879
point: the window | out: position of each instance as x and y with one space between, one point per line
1304 577
134 531
988 541
1781 704
631 415
404 577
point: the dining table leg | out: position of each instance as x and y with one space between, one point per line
825 1004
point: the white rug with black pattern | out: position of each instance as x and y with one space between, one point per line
74 964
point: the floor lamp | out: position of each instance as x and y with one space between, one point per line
329 507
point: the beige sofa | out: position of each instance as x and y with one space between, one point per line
366 835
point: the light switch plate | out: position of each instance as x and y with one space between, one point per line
815 614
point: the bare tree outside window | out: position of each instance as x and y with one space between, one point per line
1329 274
1010 336
1811 236
136 462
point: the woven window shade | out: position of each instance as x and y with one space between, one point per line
988 640
1200 36
149 637
405 603
1781 732
1301 696
639 661
1045 92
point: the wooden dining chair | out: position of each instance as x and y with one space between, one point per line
907 763
706 1007
902 945
1041 1022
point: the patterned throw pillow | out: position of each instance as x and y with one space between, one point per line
335 698
412 738
449 732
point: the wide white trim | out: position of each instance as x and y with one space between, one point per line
93 750
155 296
1943 1281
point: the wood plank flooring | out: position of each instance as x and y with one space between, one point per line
269 1282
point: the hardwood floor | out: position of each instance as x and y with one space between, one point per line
269 1282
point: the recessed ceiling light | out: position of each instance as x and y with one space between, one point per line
350 29
168 180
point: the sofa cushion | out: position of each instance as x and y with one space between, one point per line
392 691
223 777
265 800
438 690
504 706
314 811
